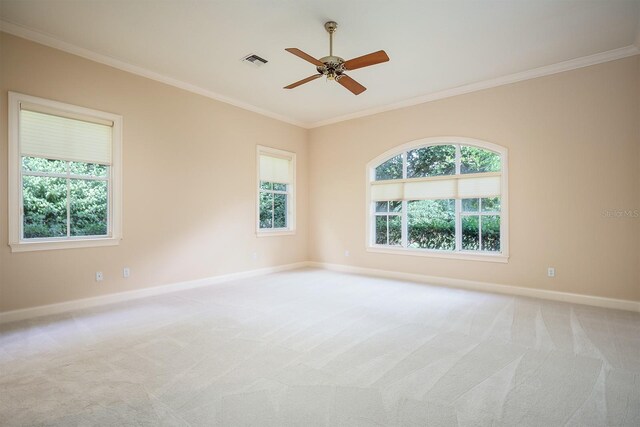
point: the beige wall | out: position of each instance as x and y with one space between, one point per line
574 152
189 183
574 145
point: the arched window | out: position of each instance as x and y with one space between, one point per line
443 197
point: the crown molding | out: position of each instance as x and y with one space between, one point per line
571 64
547 70
47 40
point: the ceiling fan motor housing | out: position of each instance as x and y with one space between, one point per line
333 66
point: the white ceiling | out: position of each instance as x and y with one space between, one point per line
434 46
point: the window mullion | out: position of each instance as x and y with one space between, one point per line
273 210
21 216
286 207
480 224
404 219
46 174
458 203
458 224
68 199
89 177
387 222
480 232
405 224
109 203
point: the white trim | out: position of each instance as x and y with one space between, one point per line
275 232
59 112
63 307
502 256
47 40
71 243
16 242
618 304
469 256
572 64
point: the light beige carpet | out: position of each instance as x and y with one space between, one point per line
311 347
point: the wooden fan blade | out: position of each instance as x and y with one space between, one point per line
366 60
303 81
305 56
352 85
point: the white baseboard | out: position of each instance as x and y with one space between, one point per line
44 310
486 287
62 307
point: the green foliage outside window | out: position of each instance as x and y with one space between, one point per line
88 207
432 224
273 205
44 206
481 232
389 227
478 160
37 164
391 169
44 199
388 230
431 161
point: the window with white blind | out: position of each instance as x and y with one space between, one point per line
276 195
441 197
64 172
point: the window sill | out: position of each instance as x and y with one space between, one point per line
501 258
265 233
63 244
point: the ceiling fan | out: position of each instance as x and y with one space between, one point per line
333 67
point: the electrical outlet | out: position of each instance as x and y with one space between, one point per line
254 256
346 253
99 276
551 272
126 272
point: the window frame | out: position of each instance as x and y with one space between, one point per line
114 186
291 193
387 215
502 256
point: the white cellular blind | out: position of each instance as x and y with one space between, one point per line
275 169
64 138
488 186
436 189
388 191
428 189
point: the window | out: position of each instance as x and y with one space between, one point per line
64 171
276 200
443 197
388 223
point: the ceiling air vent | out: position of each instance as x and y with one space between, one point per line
255 60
